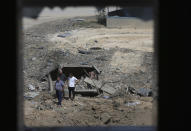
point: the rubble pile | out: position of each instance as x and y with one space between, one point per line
110 98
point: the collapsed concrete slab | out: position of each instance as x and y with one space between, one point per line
98 84
95 83
108 89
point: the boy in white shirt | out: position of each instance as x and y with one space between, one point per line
71 85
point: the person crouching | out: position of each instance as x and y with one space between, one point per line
59 85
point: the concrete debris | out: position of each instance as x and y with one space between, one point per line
98 84
80 104
40 107
141 91
34 58
83 52
132 103
108 89
34 104
79 19
41 47
95 48
105 118
94 83
31 87
98 71
64 35
115 104
106 97
101 58
117 67
144 92
83 63
132 90
115 120
31 95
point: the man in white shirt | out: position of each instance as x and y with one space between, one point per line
71 85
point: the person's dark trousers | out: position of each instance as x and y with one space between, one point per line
71 90
59 96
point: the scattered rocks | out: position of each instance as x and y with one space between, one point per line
41 47
94 108
31 95
79 19
106 97
40 107
96 116
132 103
83 63
34 58
83 52
115 104
115 120
64 35
59 121
140 91
95 48
144 92
101 58
105 118
34 104
31 87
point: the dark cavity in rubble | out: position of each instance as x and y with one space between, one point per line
78 71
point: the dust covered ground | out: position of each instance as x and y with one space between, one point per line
124 55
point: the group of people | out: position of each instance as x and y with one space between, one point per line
61 82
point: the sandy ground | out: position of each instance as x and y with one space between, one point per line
127 57
84 111
132 39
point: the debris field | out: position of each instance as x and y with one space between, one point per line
121 93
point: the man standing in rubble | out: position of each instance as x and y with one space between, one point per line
59 85
71 85
62 75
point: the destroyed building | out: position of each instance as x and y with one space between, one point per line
121 60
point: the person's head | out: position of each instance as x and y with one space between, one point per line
58 78
60 71
70 75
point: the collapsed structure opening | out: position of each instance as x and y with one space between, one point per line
77 71
83 73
